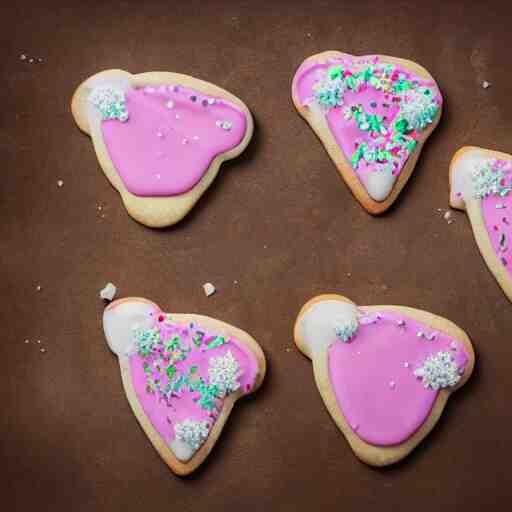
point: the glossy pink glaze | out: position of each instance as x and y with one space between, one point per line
381 399
498 222
163 151
163 417
346 132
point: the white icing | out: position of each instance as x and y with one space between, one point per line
121 320
320 322
379 184
462 176
181 450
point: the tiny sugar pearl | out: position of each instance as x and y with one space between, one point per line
211 101
60 183
195 137
392 384
170 104
209 289
177 116
406 364
160 135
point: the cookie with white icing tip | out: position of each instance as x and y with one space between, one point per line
160 137
481 184
182 374
372 114
384 372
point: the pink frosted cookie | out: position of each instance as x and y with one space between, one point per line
182 375
481 184
384 372
160 137
373 114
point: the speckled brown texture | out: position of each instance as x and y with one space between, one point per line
279 220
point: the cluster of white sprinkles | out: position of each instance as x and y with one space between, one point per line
438 371
225 125
224 372
110 102
346 331
193 433
489 179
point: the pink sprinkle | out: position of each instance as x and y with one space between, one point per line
504 261
458 194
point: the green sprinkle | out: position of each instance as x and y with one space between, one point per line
335 72
171 370
217 342
402 126
193 369
357 155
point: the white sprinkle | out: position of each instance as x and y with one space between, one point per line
392 384
109 292
23 57
158 176
31 61
500 206
358 353
431 336
38 342
420 334
160 134
400 323
60 183
170 104
177 116
100 207
486 84
209 289
195 137
453 345
39 288
184 141
39 59
211 101
406 364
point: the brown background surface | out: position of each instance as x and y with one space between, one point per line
278 220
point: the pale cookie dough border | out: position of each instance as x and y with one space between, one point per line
343 165
473 207
368 453
155 212
221 328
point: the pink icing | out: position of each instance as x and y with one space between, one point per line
498 222
163 151
164 416
346 132
378 393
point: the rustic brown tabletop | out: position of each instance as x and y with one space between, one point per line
277 227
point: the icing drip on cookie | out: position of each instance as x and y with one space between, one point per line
376 111
387 378
169 139
181 373
489 181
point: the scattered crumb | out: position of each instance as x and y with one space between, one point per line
308 34
209 289
43 350
60 183
23 57
31 60
349 274
39 288
26 341
384 287
109 292
447 215
486 84
235 282
288 349
100 207
38 342
450 221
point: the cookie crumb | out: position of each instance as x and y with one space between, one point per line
486 84
23 57
235 281
288 349
26 341
42 350
109 292
447 215
39 288
38 342
209 289
60 183
349 274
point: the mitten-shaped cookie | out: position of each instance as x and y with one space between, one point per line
385 373
160 137
373 114
182 374
481 184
